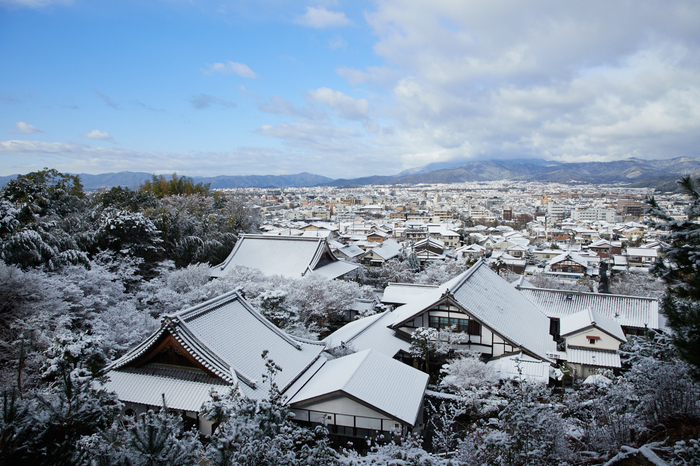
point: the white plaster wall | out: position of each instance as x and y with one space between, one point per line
606 342
345 408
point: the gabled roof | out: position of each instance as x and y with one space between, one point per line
493 302
572 256
628 311
289 256
387 385
589 318
227 337
430 241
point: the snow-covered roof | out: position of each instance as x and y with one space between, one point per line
371 332
388 249
590 357
378 381
572 256
628 311
642 252
180 394
493 302
402 293
590 318
227 336
335 269
289 256
520 367
316 233
522 282
351 250
429 241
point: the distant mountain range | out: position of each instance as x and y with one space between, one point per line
637 172
642 173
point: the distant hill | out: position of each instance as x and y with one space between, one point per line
656 172
265 181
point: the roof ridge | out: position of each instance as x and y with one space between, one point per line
354 373
589 293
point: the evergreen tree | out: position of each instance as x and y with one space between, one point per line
680 269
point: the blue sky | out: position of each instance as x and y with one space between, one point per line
342 89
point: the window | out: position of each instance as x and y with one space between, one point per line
474 328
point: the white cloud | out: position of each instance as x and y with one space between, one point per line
22 127
550 79
97 134
344 105
337 42
230 67
376 75
203 101
320 18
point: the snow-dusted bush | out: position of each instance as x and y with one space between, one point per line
467 372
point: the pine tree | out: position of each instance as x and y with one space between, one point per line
680 269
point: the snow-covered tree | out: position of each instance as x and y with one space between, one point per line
260 432
680 269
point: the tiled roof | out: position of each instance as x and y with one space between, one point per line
628 311
379 381
289 256
590 357
180 394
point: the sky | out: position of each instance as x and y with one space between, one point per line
342 89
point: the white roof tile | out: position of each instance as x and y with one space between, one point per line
628 311
148 389
402 293
520 367
289 256
590 357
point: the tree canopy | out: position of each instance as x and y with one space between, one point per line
160 187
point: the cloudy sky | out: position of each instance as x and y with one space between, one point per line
342 88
